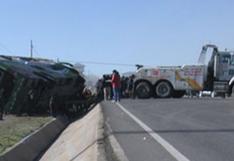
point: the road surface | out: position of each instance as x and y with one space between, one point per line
173 129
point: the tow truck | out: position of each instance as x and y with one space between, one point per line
217 76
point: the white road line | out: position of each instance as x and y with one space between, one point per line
117 149
173 151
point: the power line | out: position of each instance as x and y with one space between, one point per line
105 63
35 51
5 48
110 64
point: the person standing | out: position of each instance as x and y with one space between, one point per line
99 89
124 81
115 81
130 86
107 87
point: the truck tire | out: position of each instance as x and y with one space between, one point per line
163 89
143 90
178 94
231 90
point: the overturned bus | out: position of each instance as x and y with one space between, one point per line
33 86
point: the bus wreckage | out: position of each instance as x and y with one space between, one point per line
39 86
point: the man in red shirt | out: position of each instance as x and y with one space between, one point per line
115 81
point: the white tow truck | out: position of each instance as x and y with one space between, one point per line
173 81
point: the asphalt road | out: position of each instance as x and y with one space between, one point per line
197 129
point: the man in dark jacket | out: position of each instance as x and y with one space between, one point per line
130 86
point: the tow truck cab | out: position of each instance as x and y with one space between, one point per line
220 73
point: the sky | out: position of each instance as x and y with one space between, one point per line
148 32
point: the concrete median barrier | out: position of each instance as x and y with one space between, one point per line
82 140
30 147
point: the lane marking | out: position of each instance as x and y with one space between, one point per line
172 150
117 149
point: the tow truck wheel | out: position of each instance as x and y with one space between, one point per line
143 90
231 90
163 89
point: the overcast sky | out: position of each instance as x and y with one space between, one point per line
150 32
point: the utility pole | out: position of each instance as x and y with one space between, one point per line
31 49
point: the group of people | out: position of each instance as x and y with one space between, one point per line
113 87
